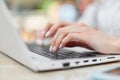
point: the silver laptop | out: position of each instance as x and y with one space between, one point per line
39 58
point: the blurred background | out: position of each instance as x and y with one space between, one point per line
32 15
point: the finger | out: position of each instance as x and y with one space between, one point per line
46 29
66 28
71 37
58 33
52 42
61 33
58 40
40 35
55 27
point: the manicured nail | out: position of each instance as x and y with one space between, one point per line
50 49
60 46
40 42
54 49
47 34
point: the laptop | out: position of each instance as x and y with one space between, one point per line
39 58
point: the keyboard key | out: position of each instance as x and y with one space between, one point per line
61 54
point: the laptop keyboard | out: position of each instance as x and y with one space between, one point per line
61 54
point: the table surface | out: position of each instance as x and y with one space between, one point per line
11 70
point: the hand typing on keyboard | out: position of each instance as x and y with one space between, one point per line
71 34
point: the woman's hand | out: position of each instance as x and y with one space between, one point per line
50 30
84 36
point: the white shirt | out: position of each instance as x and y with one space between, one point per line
104 15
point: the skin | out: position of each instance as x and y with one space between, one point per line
79 34
50 30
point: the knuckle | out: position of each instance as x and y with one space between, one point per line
61 30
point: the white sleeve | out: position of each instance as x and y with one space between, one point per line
89 16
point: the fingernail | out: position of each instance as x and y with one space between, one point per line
40 42
47 34
60 46
54 49
50 49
